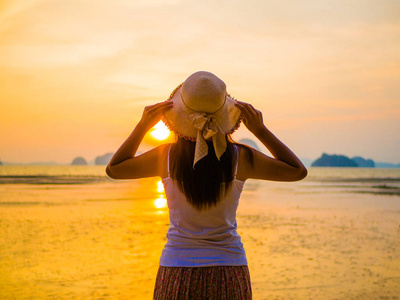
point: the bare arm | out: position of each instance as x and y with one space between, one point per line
124 164
285 166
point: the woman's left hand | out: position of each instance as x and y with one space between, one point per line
152 114
252 117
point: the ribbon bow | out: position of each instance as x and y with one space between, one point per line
207 127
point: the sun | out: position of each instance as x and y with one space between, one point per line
160 131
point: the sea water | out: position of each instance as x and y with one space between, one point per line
70 232
385 181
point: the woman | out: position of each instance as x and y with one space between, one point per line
203 173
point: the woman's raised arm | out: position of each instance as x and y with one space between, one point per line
285 166
124 164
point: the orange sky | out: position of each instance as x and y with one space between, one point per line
75 75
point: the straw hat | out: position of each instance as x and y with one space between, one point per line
203 110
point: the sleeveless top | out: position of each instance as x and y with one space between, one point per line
202 238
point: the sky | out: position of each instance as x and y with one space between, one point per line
75 75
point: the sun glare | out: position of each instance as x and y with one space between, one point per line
160 202
160 131
160 187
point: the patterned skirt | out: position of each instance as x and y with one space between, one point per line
198 283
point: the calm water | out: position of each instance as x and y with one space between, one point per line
353 180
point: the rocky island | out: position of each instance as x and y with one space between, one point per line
364 163
327 160
79 161
104 159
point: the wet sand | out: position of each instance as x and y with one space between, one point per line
103 241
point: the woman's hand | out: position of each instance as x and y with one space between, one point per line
124 164
252 117
152 114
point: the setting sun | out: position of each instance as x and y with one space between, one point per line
160 131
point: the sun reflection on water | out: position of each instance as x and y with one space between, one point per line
160 202
160 187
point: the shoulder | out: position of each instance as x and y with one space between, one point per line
159 154
159 151
164 149
245 154
163 152
245 160
244 150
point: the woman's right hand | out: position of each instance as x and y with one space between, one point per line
252 117
152 114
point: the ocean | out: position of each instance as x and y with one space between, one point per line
70 232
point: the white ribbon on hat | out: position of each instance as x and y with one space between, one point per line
207 127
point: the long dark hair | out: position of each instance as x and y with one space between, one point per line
211 178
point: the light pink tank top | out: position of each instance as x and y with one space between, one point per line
202 238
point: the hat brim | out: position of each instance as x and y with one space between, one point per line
176 119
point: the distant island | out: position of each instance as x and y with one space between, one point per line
327 160
386 165
79 161
364 163
104 159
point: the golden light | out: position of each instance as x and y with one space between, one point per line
160 202
160 131
160 187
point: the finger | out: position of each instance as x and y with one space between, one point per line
245 105
156 106
161 104
238 103
160 110
249 107
241 102
254 110
245 109
241 106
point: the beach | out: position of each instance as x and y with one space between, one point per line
335 235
